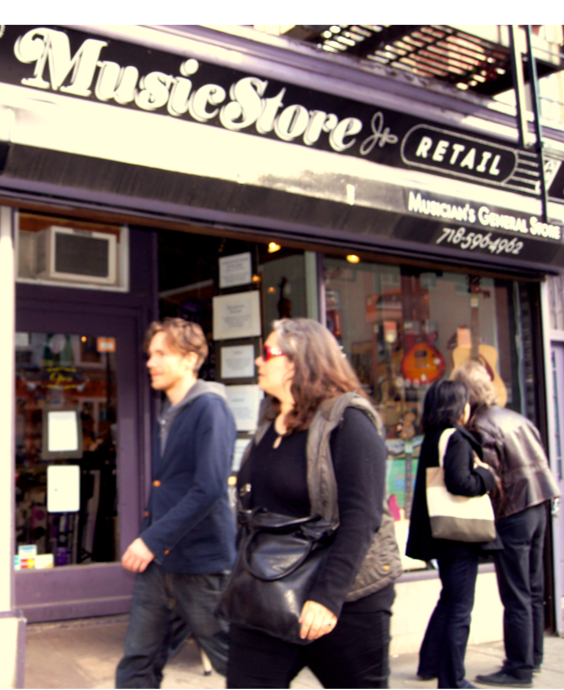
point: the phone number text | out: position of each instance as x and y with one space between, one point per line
477 240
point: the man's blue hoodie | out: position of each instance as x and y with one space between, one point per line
188 523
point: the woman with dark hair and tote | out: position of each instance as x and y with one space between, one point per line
315 417
441 656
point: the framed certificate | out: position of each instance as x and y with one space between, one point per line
244 402
236 316
238 362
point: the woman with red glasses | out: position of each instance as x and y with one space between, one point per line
316 423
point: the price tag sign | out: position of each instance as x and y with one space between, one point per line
106 344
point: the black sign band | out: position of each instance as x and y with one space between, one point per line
120 74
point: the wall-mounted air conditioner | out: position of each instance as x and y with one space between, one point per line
73 255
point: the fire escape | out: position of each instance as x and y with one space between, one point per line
490 61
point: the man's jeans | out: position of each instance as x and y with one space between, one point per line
159 599
520 577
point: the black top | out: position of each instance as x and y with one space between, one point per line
278 479
461 478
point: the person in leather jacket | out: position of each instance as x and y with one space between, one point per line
512 447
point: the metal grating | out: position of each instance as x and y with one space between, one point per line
435 51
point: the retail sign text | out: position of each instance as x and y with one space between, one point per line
437 149
76 64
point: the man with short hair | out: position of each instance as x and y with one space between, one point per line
513 449
187 541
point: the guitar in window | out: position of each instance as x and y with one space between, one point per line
470 345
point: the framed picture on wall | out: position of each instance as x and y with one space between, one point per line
236 316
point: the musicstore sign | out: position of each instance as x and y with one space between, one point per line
78 65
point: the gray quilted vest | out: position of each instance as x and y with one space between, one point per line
382 564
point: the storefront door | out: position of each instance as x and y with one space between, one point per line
78 467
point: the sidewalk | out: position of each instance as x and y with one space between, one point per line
84 654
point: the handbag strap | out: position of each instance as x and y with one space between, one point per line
261 519
443 443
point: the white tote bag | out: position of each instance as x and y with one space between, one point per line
459 518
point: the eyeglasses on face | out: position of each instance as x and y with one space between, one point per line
268 351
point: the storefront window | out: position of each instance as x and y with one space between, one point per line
192 271
403 328
66 426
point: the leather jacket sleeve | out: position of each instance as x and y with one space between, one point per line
512 446
492 449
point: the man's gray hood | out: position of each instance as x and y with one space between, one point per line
169 412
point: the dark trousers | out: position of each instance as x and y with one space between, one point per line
444 645
353 655
520 578
166 608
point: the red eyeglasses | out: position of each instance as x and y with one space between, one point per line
268 351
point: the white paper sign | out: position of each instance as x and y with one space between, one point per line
240 445
63 488
244 402
44 560
22 340
236 316
235 270
238 362
63 431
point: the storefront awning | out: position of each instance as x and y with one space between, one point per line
353 176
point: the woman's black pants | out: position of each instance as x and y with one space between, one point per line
444 646
353 655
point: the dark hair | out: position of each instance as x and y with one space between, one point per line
182 336
444 404
321 369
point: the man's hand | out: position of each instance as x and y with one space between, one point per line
316 621
137 557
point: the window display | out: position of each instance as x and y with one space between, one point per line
403 328
66 426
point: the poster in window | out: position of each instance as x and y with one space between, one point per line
244 402
238 362
235 270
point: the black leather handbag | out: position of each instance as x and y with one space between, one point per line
277 565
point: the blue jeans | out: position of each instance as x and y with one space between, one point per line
166 608
444 646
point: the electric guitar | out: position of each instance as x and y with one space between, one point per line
423 363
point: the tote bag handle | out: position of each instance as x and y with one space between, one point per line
443 443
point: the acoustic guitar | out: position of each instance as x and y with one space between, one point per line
487 355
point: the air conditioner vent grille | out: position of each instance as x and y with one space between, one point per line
86 256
